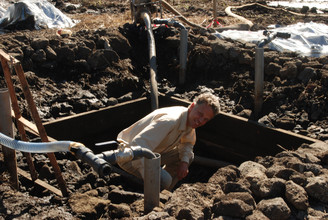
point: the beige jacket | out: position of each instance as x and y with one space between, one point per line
161 131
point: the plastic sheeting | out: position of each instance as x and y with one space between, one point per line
307 39
44 13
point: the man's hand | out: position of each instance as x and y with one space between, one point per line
182 170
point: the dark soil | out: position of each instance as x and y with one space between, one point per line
76 74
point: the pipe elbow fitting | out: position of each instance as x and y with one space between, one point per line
124 155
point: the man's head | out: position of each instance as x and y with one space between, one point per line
203 109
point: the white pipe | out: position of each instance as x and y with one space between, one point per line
32 147
152 183
259 78
152 60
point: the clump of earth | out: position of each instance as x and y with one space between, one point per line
105 61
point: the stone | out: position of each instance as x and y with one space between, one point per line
189 200
257 215
237 204
289 70
274 209
318 188
85 204
119 210
269 188
296 195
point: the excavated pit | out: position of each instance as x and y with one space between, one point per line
225 139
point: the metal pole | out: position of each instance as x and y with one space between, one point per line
214 12
259 78
6 127
183 55
152 183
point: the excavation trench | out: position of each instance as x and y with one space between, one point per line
227 139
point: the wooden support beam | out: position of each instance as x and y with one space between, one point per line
40 182
6 127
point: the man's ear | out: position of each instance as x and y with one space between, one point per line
191 106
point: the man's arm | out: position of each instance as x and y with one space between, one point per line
183 170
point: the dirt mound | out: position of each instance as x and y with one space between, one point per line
105 62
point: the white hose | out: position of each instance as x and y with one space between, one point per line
31 147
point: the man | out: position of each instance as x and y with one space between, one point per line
170 132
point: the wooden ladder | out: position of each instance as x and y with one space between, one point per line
8 64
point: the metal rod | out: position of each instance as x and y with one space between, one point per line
259 78
214 12
183 55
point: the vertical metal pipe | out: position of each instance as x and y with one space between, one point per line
214 12
6 127
152 60
259 78
183 55
152 182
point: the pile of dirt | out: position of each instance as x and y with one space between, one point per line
98 67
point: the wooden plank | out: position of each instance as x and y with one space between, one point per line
40 182
6 127
31 127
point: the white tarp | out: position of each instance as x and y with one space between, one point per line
318 4
307 39
45 14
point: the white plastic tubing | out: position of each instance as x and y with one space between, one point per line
31 147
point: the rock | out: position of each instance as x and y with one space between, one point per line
248 167
289 70
39 43
156 216
235 204
119 210
285 122
117 196
318 188
272 69
274 209
102 58
83 52
189 200
231 186
225 174
307 74
85 204
39 56
221 47
246 113
269 188
296 195
257 215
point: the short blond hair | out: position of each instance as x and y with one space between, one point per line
210 99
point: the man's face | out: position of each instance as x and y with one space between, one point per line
198 115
